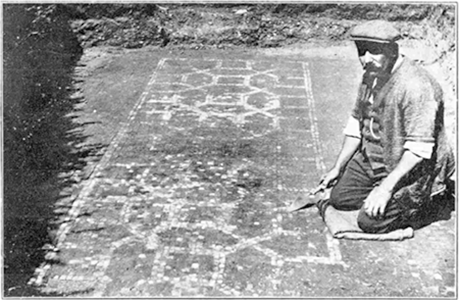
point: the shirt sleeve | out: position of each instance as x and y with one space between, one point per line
420 149
352 128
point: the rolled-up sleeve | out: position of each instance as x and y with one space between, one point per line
421 149
352 128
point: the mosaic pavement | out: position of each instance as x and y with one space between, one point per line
253 123
190 197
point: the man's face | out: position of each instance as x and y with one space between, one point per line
374 57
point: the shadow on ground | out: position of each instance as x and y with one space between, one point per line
43 145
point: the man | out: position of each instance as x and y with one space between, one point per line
395 157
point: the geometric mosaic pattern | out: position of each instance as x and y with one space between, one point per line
190 197
221 89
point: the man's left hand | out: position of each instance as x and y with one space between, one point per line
376 202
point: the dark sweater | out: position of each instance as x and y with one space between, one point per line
410 108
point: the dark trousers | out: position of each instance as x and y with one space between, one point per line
355 184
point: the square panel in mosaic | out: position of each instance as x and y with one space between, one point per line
199 79
251 218
183 264
181 238
261 99
193 97
263 81
246 267
132 272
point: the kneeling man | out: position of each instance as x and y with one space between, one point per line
395 156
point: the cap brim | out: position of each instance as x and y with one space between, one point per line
375 40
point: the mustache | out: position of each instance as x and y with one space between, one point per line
370 66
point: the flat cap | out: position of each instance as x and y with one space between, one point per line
375 31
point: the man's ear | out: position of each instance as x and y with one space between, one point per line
394 49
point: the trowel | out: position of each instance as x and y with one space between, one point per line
306 201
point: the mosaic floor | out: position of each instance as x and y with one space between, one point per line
190 198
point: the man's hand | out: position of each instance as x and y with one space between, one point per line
329 179
376 202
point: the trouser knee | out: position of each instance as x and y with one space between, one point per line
366 223
335 196
342 199
382 224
